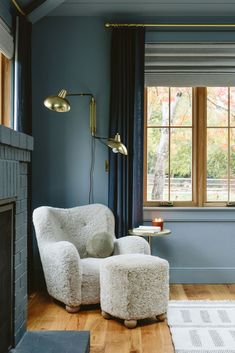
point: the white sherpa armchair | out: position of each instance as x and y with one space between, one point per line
71 276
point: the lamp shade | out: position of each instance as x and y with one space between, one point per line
116 145
58 103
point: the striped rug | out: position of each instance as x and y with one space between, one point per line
202 326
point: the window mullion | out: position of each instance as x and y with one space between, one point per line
201 145
169 149
229 150
145 143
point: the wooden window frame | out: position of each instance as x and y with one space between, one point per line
199 153
5 91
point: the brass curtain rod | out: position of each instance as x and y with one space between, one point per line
18 7
170 25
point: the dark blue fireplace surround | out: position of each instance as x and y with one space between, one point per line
15 156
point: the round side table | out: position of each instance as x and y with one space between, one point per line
162 233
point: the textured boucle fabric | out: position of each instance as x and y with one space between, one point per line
71 276
75 224
100 245
134 286
91 280
131 245
63 272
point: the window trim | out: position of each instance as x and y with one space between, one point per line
199 153
5 91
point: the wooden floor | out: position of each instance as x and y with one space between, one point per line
111 336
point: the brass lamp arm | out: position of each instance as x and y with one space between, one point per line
92 109
60 104
100 137
80 94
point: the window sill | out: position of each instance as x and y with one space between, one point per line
194 208
190 214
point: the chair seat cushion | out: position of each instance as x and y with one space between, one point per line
100 245
91 280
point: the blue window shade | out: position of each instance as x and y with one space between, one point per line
190 64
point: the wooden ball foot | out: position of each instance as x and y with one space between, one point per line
105 315
161 317
72 309
130 323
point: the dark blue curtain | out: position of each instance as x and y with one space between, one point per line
127 118
23 80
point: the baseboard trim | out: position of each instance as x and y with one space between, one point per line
202 275
182 275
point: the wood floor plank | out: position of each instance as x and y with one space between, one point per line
177 291
111 336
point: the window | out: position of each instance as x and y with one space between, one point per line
189 146
5 86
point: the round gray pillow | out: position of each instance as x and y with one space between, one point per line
100 245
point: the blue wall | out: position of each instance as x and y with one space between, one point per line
73 53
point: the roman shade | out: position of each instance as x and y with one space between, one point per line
6 40
190 64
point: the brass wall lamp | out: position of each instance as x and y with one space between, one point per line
60 104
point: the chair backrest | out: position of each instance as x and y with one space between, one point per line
72 224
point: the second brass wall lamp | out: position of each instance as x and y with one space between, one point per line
60 104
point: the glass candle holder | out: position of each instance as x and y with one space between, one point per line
158 222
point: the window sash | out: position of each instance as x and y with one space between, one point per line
199 153
191 127
5 87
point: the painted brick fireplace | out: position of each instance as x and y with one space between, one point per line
15 156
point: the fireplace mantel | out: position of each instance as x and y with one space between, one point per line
15 139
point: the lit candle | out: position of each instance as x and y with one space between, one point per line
158 222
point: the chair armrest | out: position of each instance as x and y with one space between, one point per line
131 245
62 270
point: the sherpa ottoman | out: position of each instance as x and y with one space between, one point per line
134 287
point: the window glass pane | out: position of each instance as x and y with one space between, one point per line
157 164
181 164
232 165
217 106
232 106
158 106
217 164
181 106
